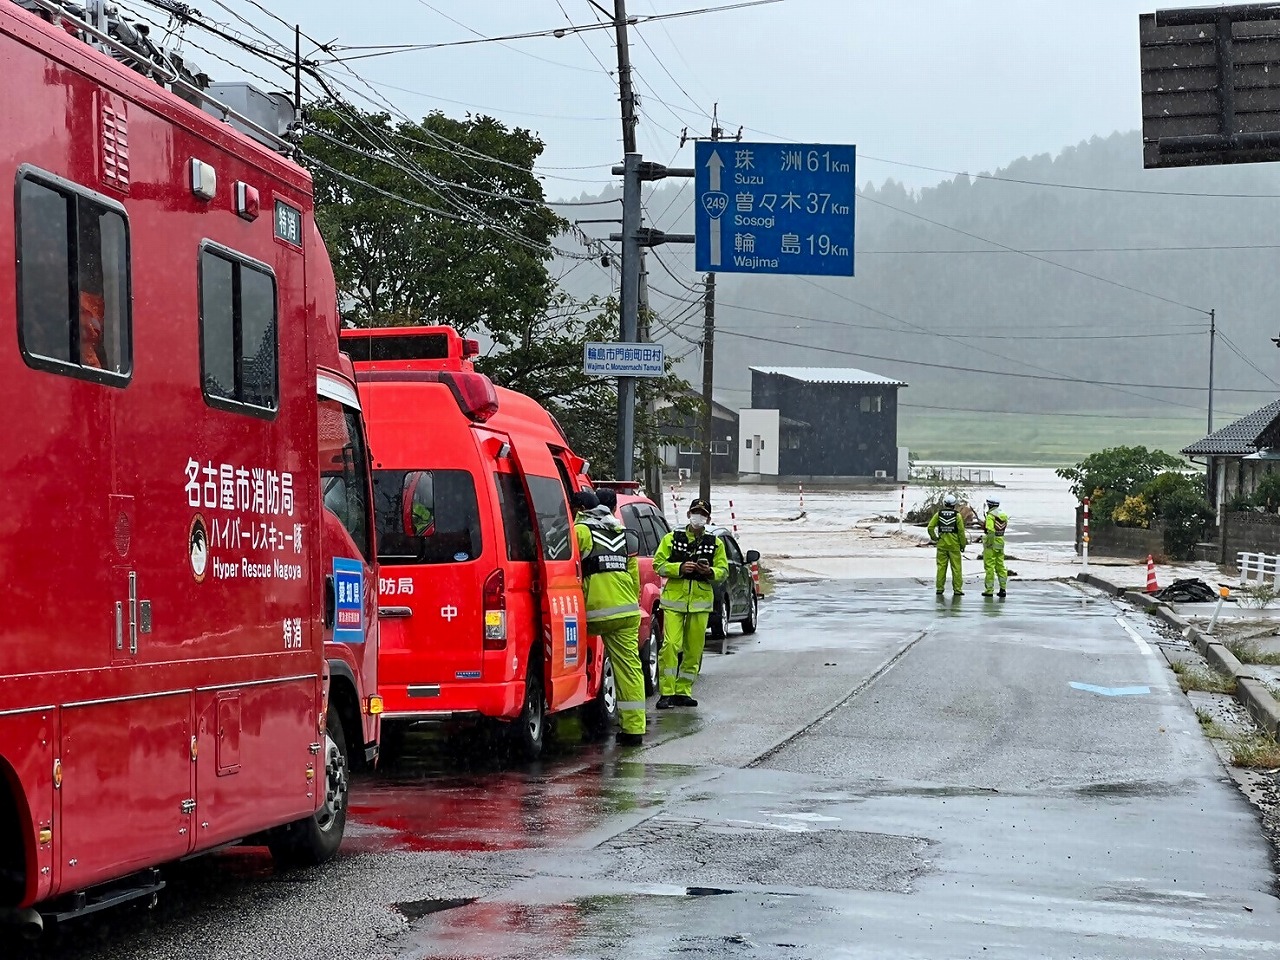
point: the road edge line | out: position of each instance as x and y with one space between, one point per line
1250 690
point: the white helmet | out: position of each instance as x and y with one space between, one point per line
949 500
992 502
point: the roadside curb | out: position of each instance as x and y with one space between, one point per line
1250 690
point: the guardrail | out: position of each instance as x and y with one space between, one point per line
1259 568
953 475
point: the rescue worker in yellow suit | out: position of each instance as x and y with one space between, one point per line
993 547
612 589
693 562
946 529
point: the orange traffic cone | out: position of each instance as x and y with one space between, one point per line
1152 587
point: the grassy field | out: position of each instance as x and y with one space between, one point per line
1041 439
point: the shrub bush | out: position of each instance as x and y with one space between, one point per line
1267 495
1185 515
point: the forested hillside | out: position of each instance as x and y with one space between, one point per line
1160 248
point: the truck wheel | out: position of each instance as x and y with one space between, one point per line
316 839
601 713
528 730
753 616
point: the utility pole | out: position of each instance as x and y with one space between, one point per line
708 375
707 431
629 298
634 237
1213 335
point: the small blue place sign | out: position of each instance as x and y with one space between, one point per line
775 208
624 359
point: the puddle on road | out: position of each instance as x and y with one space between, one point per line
416 810
417 909
1133 788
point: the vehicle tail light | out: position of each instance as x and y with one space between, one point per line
495 611
470 348
475 394
374 706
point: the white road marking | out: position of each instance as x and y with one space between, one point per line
1142 644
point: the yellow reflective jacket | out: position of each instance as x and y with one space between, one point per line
681 594
997 523
612 596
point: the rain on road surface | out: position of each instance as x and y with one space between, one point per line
874 774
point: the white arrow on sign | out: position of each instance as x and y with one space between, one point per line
715 165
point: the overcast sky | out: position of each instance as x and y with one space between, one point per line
958 84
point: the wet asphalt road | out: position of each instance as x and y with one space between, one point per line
875 774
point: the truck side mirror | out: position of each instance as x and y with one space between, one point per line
330 601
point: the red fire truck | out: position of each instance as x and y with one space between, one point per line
187 545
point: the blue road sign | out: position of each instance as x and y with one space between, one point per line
774 208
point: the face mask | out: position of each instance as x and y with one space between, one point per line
697 521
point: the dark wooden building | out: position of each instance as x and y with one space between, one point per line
686 452
850 418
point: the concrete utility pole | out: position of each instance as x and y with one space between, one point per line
707 431
708 376
629 296
634 238
1213 335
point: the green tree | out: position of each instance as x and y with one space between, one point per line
546 364
444 222
472 245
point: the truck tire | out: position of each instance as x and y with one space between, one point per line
528 730
600 714
317 838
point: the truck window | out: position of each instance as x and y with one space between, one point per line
238 321
73 283
552 510
517 518
426 516
344 470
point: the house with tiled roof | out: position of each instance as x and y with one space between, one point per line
1239 455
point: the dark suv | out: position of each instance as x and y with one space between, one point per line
737 599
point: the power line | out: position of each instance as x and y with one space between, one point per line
1052 263
1003 373
1172 249
523 53
382 50
1239 353
1069 186
1033 413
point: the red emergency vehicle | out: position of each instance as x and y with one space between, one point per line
168 318
482 613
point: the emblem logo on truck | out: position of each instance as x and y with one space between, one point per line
198 548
